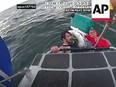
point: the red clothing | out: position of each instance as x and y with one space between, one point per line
101 43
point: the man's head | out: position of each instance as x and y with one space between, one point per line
67 37
93 33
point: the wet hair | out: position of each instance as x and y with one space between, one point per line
92 28
63 34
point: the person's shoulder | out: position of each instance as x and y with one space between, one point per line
88 36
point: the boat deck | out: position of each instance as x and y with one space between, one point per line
83 69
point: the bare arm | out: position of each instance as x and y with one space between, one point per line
56 49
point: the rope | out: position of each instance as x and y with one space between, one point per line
105 28
21 72
101 35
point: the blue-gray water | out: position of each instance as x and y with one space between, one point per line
31 31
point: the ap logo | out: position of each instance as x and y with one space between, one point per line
100 10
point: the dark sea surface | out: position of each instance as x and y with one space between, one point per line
31 31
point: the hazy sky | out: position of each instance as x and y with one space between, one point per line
4 4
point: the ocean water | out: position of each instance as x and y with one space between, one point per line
31 31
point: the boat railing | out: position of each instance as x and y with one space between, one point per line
87 49
112 47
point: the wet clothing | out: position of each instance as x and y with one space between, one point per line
74 45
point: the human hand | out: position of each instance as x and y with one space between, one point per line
54 49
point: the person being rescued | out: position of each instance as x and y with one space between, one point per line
93 37
68 42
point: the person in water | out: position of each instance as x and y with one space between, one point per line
68 42
93 37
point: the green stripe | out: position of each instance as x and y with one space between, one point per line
82 22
